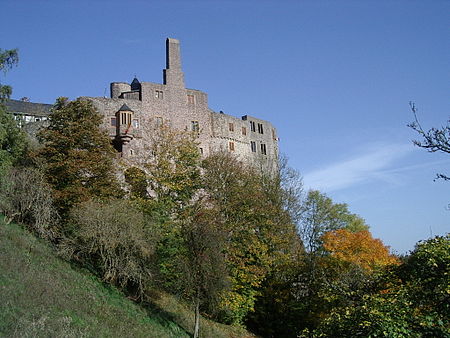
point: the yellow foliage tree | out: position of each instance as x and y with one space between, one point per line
358 247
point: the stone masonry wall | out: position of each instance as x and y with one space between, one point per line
251 139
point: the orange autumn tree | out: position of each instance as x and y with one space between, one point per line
358 248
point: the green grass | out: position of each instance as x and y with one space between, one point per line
43 296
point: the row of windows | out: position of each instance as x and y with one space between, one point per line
253 127
134 122
159 94
252 147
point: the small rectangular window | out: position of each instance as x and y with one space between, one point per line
159 121
274 135
135 123
260 128
263 149
201 151
231 126
253 146
231 144
191 99
113 121
244 131
158 94
194 126
252 126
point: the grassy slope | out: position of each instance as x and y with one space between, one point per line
42 295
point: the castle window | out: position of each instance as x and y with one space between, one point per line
253 146
158 94
194 126
274 135
231 145
113 121
135 123
263 149
231 126
201 151
191 99
244 131
260 128
159 121
125 118
252 126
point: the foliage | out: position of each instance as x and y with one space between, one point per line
78 155
259 232
433 140
358 248
410 300
174 168
203 259
114 239
8 58
25 198
137 180
13 141
320 215
44 296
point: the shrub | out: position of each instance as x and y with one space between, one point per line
25 197
114 239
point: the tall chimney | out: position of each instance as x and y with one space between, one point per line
173 75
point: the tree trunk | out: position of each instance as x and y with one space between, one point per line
197 317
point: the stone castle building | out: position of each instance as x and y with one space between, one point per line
136 109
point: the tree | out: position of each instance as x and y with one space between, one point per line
203 258
320 215
260 234
173 168
8 59
408 300
357 248
433 140
115 240
78 155
13 141
25 198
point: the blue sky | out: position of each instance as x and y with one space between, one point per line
334 77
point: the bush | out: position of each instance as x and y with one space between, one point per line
25 197
115 240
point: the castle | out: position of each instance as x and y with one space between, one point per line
135 109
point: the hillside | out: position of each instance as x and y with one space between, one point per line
42 295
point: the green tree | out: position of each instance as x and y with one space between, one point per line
13 141
8 59
115 240
259 231
408 300
78 155
202 258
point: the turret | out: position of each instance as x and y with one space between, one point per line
124 128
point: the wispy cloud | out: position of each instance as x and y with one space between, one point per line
374 163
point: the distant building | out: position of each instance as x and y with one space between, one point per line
135 109
25 112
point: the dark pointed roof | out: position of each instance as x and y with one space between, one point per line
135 84
125 108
